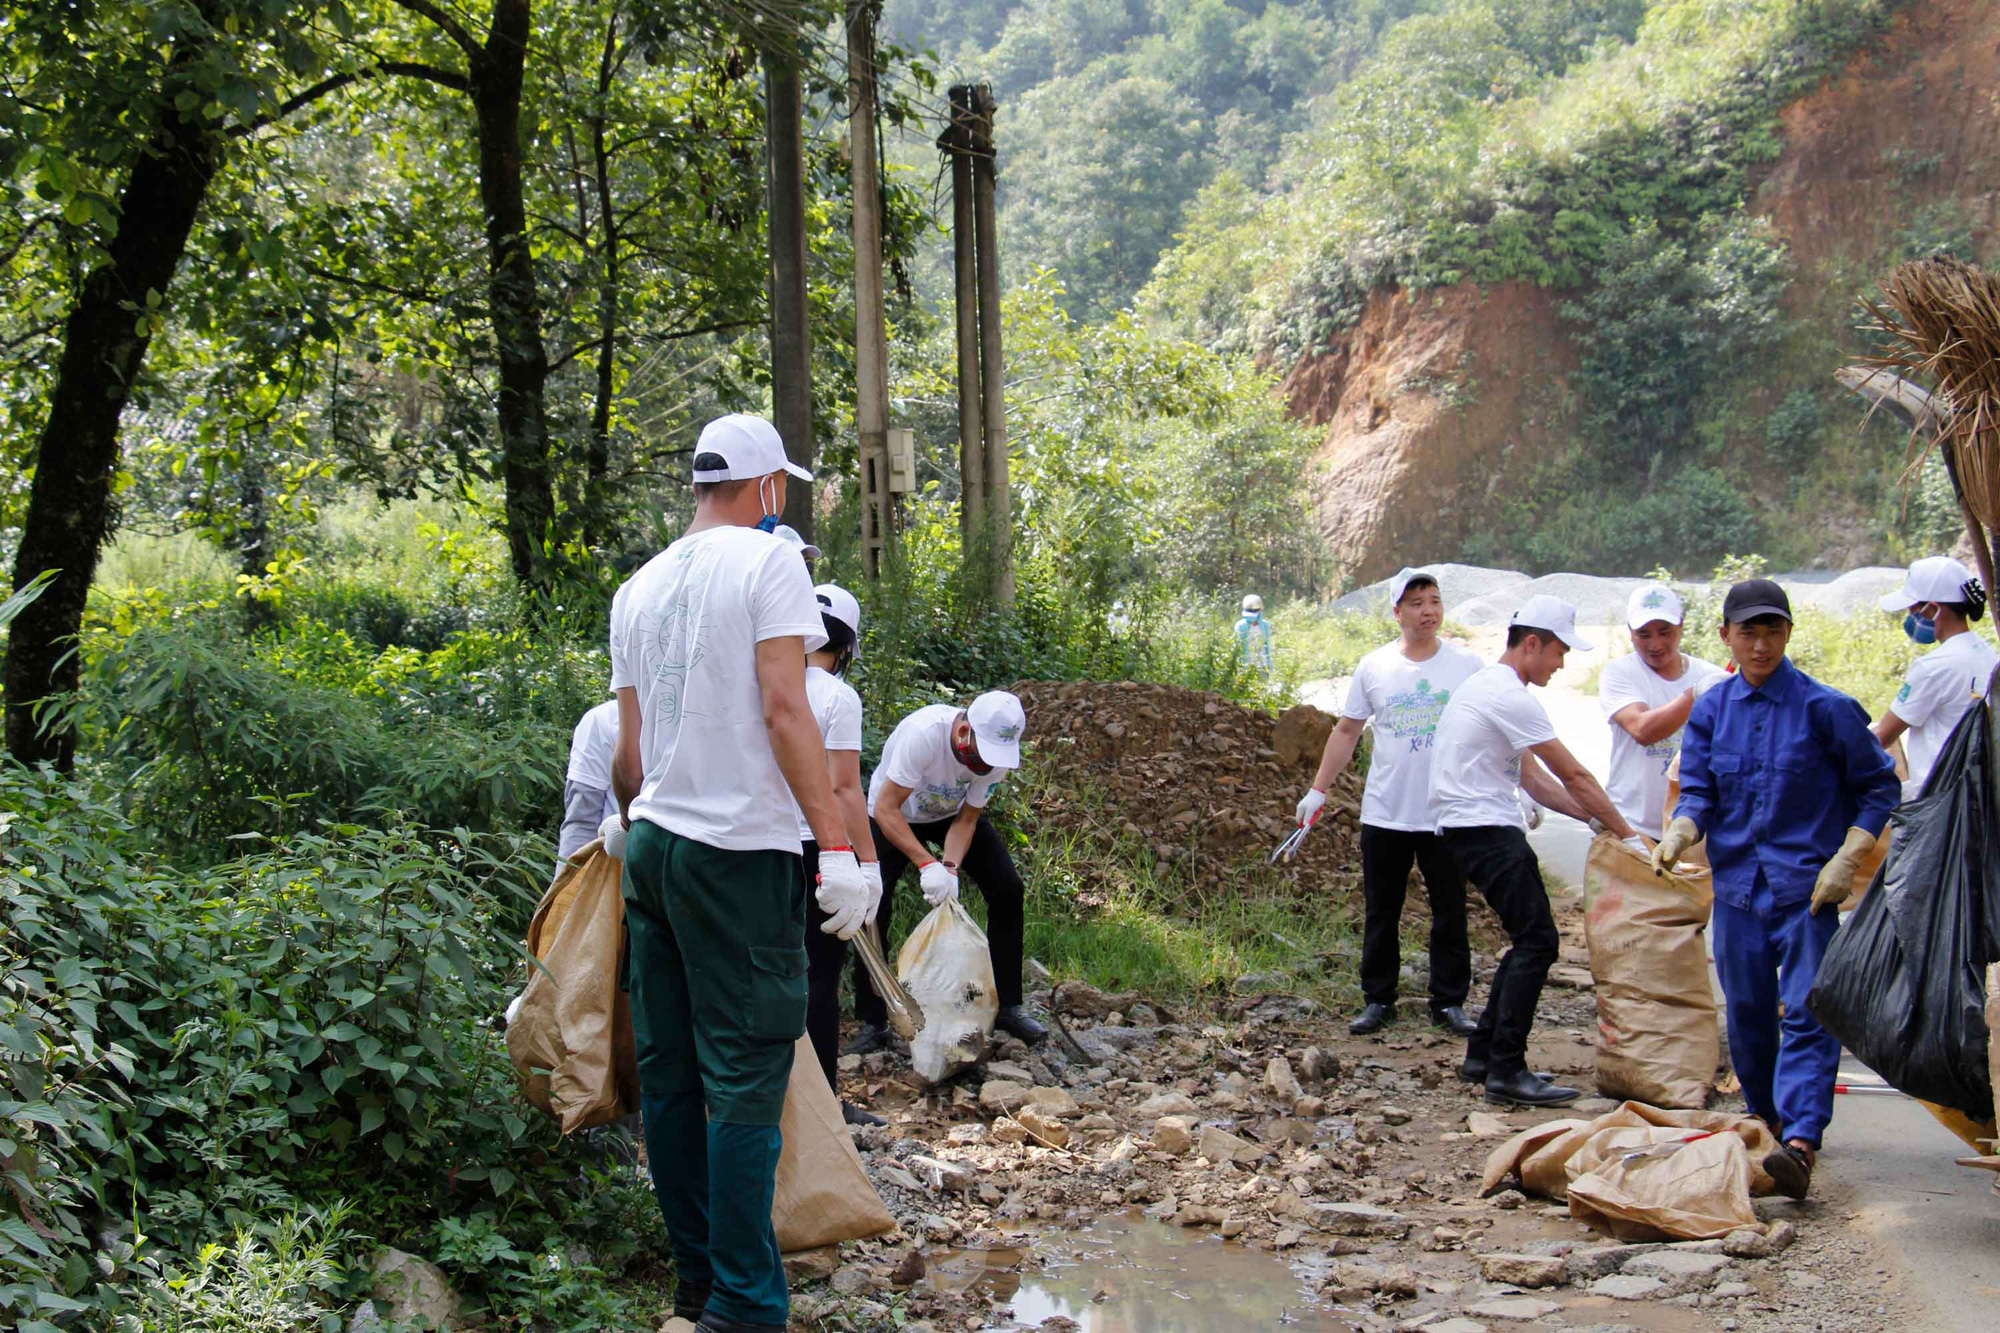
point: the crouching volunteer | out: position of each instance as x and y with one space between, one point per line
1403 686
1938 600
1646 696
837 709
939 768
1782 776
716 738
589 806
1493 738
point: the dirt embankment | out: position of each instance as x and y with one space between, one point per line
1434 397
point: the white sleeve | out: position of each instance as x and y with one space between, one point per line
1922 692
625 670
898 763
981 790
1615 690
1358 705
781 599
1523 722
591 748
842 729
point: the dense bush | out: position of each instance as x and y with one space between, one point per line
1690 521
199 1051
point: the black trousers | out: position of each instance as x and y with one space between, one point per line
1386 857
825 955
1501 865
989 867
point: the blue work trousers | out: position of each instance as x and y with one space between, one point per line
1768 957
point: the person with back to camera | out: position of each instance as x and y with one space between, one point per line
1403 687
1939 599
718 752
1492 741
1783 778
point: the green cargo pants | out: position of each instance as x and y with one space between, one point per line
718 986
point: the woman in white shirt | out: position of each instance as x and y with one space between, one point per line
1939 599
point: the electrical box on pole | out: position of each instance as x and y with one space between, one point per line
902 461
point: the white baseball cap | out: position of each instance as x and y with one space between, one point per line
788 534
1404 578
1935 578
1546 612
998 720
839 603
1653 601
749 448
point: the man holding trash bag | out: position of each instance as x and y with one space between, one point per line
1493 738
1938 600
1404 687
716 739
1784 779
939 768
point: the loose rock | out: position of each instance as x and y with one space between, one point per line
1522 1270
1514 1307
1629 1287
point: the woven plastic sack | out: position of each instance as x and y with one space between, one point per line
947 969
1658 1036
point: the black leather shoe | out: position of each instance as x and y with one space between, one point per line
1524 1089
715 1323
854 1115
1474 1071
690 1299
872 1037
1016 1022
1451 1017
1372 1018
1791 1170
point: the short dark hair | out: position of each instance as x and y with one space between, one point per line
1969 610
1420 581
714 462
1517 633
839 637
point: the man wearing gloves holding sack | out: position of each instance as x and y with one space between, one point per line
716 739
939 768
1783 778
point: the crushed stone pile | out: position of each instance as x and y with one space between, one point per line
1188 774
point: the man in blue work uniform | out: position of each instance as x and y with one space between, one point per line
1783 777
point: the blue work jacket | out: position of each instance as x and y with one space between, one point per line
1775 776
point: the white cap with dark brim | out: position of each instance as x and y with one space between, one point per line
748 446
1553 615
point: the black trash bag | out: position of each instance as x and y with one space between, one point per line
1903 983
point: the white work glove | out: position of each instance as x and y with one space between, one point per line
872 872
1530 811
1309 807
1681 835
1708 683
843 894
940 885
612 830
1638 844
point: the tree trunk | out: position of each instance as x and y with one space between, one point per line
598 464
533 540
104 347
791 335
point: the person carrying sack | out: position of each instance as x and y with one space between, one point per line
837 708
1404 687
1938 600
1783 778
716 737
587 797
1492 740
939 768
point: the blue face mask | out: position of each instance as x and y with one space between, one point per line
1919 629
768 523
1252 615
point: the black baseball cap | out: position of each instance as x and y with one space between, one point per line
1755 597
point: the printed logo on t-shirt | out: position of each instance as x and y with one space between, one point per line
941 800
1904 693
1664 750
679 650
1412 716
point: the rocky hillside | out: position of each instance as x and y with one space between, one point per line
1452 415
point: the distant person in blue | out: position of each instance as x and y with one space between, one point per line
1791 789
1253 636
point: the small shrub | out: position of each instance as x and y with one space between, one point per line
1789 431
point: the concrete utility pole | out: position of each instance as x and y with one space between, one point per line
957 142
871 336
791 337
993 379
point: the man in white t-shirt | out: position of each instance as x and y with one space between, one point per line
939 768
1646 696
1493 738
1939 600
716 738
587 798
1403 687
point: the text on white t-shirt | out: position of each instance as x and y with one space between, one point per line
1403 700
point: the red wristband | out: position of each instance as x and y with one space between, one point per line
824 850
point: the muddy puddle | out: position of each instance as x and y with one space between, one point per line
1131 1274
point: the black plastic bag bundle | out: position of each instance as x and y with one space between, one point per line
1903 984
